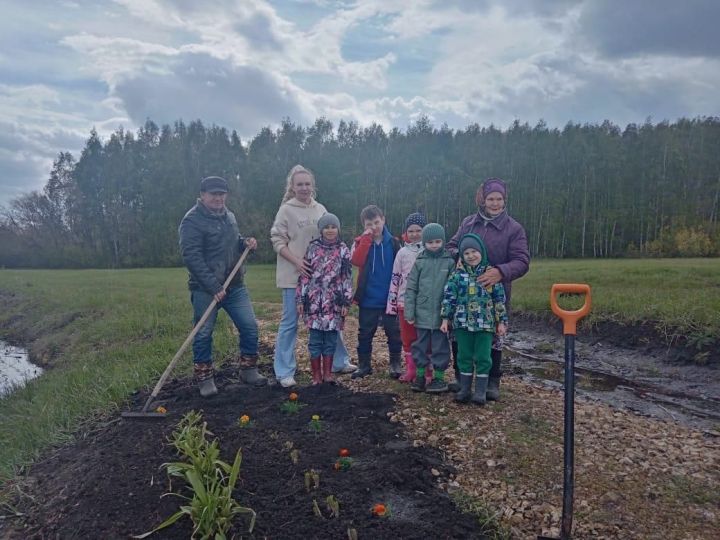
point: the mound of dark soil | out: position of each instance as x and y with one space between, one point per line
110 483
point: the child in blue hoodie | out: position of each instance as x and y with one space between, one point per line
374 252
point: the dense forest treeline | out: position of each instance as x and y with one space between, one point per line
582 191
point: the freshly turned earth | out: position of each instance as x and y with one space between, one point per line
110 483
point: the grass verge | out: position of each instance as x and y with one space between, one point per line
488 519
107 333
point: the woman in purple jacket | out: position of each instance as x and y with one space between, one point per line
508 253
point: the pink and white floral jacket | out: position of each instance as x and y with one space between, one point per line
401 269
329 287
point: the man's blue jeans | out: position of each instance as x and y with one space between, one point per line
236 304
285 363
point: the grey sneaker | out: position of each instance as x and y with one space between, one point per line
346 369
436 387
419 384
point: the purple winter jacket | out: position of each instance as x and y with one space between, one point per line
506 244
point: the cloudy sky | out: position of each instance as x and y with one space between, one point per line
67 66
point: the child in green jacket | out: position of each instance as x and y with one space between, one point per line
423 298
476 313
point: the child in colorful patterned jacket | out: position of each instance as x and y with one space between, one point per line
476 313
323 297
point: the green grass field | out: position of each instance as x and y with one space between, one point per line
678 294
109 332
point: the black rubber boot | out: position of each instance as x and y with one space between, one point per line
481 384
454 386
249 372
419 384
204 375
493 391
364 366
395 365
463 396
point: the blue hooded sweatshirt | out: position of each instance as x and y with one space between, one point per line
378 266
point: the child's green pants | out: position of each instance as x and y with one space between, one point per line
474 345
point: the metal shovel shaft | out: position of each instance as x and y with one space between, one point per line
569 319
568 439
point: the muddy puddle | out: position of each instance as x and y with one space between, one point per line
625 378
15 368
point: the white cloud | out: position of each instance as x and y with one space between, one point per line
242 64
113 58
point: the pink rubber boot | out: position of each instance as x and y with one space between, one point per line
409 375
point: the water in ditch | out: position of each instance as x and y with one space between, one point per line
15 368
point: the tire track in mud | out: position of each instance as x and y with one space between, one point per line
644 382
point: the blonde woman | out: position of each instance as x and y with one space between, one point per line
295 226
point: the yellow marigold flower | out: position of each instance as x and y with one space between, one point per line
316 417
161 410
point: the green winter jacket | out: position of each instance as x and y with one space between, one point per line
469 305
425 285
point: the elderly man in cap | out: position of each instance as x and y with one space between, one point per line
211 245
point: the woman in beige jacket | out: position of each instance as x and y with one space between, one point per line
295 226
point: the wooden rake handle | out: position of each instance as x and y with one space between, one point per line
195 330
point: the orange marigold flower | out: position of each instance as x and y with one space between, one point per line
161 410
244 419
344 452
293 396
379 509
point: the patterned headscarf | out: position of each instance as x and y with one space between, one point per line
415 219
491 185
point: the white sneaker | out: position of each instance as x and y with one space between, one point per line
288 382
347 368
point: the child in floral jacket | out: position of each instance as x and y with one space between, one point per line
324 296
476 313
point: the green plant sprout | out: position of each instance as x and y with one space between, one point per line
312 480
315 424
333 506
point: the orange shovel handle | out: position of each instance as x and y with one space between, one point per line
570 318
